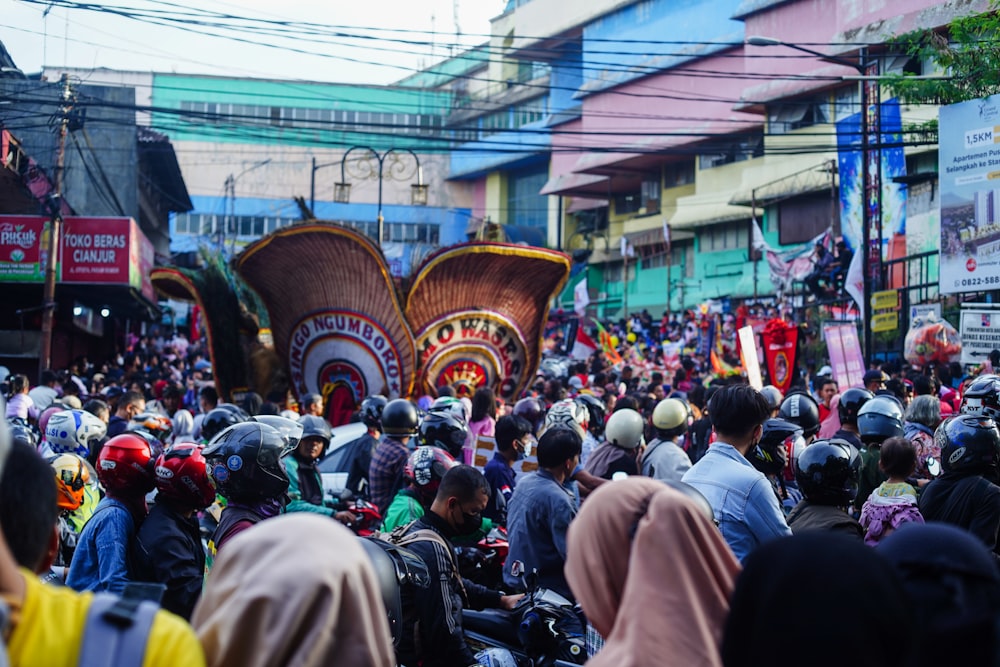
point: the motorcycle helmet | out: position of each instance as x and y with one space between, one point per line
371 411
399 418
625 429
773 396
153 423
315 427
671 417
969 444
532 410
425 468
982 397
779 442
74 432
290 429
182 476
450 404
827 472
221 418
244 461
566 413
851 402
72 475
597 412
879 419
125 465
43 419
23 434
803 410
496 657
444 430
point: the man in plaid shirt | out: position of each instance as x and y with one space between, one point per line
385 475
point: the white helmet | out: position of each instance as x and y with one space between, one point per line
74 432
567 413
450 404
624 429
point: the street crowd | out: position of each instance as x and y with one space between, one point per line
693 518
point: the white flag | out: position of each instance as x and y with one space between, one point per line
854 283
581 297
627 249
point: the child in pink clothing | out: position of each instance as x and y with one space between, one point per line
894 502
483 421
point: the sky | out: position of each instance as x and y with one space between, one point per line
81 38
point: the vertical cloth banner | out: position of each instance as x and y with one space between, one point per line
581 297
846 358
748 353
781 343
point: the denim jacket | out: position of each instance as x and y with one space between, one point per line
101 559
744 503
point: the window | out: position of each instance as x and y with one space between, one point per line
846 101
524 205
784 118
628 202
678 173
651 194
804 218
736 148
728 236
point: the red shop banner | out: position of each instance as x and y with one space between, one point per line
780 343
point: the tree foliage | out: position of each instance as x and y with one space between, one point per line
968 51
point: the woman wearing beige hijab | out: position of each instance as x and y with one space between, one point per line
294 591
653 575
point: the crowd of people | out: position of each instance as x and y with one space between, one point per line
687 515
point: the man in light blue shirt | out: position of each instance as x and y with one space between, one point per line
745 505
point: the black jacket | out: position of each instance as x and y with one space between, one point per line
807 516
970 502
169 552
361 459
439 611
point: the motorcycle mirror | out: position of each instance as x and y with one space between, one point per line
531 581
517 568
346 495
933 466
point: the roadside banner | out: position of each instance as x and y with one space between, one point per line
846 358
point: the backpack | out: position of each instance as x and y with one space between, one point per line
403 576
116 631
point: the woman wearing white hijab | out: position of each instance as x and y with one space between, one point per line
294 591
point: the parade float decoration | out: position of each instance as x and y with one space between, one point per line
473 316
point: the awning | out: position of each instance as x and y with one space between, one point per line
817 179
709 209
569 184
653 236
578 204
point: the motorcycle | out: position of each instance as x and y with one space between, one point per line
367 517
483 563
543 630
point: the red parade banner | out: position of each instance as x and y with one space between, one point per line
780 341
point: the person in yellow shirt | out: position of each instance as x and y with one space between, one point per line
46 625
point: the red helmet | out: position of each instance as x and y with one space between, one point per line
125 465
181 476
426 467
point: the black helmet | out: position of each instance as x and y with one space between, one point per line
289 429
850 404
779 442
244 461
315 427
969 444
597 410
399 418
220 418
532 410
803 410
443 430
879 419
982 397
827 472
371 411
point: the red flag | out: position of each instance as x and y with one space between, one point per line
583 346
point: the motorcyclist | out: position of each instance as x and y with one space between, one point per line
780 443
851 402
220 418
102 560
803 411
244 461
72 475
364 447
966 494
878 420
622 448
514 437
305 487
425 468
774 398
664 459
74 432
594 425
385 474
168 545
827 473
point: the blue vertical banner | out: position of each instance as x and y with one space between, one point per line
893 161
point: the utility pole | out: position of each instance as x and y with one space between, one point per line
55 230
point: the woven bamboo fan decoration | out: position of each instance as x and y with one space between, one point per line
335 315
478 311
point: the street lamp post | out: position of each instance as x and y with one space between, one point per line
397 170
871 174
230 188
312 182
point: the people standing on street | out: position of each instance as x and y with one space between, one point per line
399 425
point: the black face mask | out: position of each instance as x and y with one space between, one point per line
470 523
